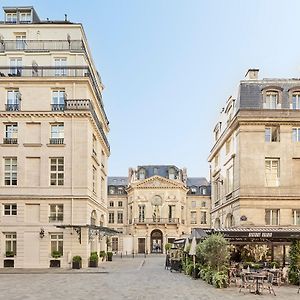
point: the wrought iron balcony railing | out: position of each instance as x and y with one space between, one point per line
56 141
10 141
156 221
55 218
57 107
45 71
12 107
41 45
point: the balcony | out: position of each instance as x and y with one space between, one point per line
56 141
57 107
12 107
42 45
56 218
45 71
156 221
10 141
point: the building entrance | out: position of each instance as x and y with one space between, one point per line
156 241
141 245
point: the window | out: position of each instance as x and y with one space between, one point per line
56 212
172 173
94 145
229 180
111 218
296 100
10 173
272 134
94 179
272 216
296 217
60 64
13 100
57 171
25 17
11 242
272 172
193 217
296 134
203 219
193 204
171 212
21 41
15 66
155 171
111 203
142 174
141 213
271 100
120 203
120 217
11 17
193 190
203 191
111 190
11 134
57 242
120 190
114 244
58 100
203 204
57 133
10 209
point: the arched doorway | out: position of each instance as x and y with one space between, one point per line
217 223
156 241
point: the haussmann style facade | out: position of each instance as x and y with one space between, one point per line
154 205
53 144
255 161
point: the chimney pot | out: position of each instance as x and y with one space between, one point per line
252 74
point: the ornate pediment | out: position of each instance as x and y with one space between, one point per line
158 182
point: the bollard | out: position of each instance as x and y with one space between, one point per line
121 255
132 254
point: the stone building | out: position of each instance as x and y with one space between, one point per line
54 149
154 205
255 160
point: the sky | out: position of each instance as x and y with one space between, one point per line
168 67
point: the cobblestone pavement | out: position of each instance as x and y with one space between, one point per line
125 278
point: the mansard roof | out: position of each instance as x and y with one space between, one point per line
197 181
117 181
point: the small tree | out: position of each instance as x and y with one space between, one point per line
215 252
294 262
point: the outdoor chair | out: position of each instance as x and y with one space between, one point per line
247 283
277 277
232 276
269 283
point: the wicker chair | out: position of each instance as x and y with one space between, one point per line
247 283
269 283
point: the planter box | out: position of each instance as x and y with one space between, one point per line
54 263
109 258
9 263
76 265
93 264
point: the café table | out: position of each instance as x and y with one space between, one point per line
258 277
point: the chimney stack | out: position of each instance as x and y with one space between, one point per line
252 74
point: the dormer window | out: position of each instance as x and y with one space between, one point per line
193 190
272 97
155 171
172 173
142 174
25 17
11 17
271 100
296 100
111 190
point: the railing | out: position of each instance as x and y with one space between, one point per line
41 45
45 71
156 221
57 107
56 218
10 141
56 141
12 107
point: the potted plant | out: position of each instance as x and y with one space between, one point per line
9 254
109 256
55 263
94 260
76 262
102 254
168 247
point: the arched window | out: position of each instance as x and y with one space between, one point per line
142 174
229 221
296 100
217 223
272 99
93 217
